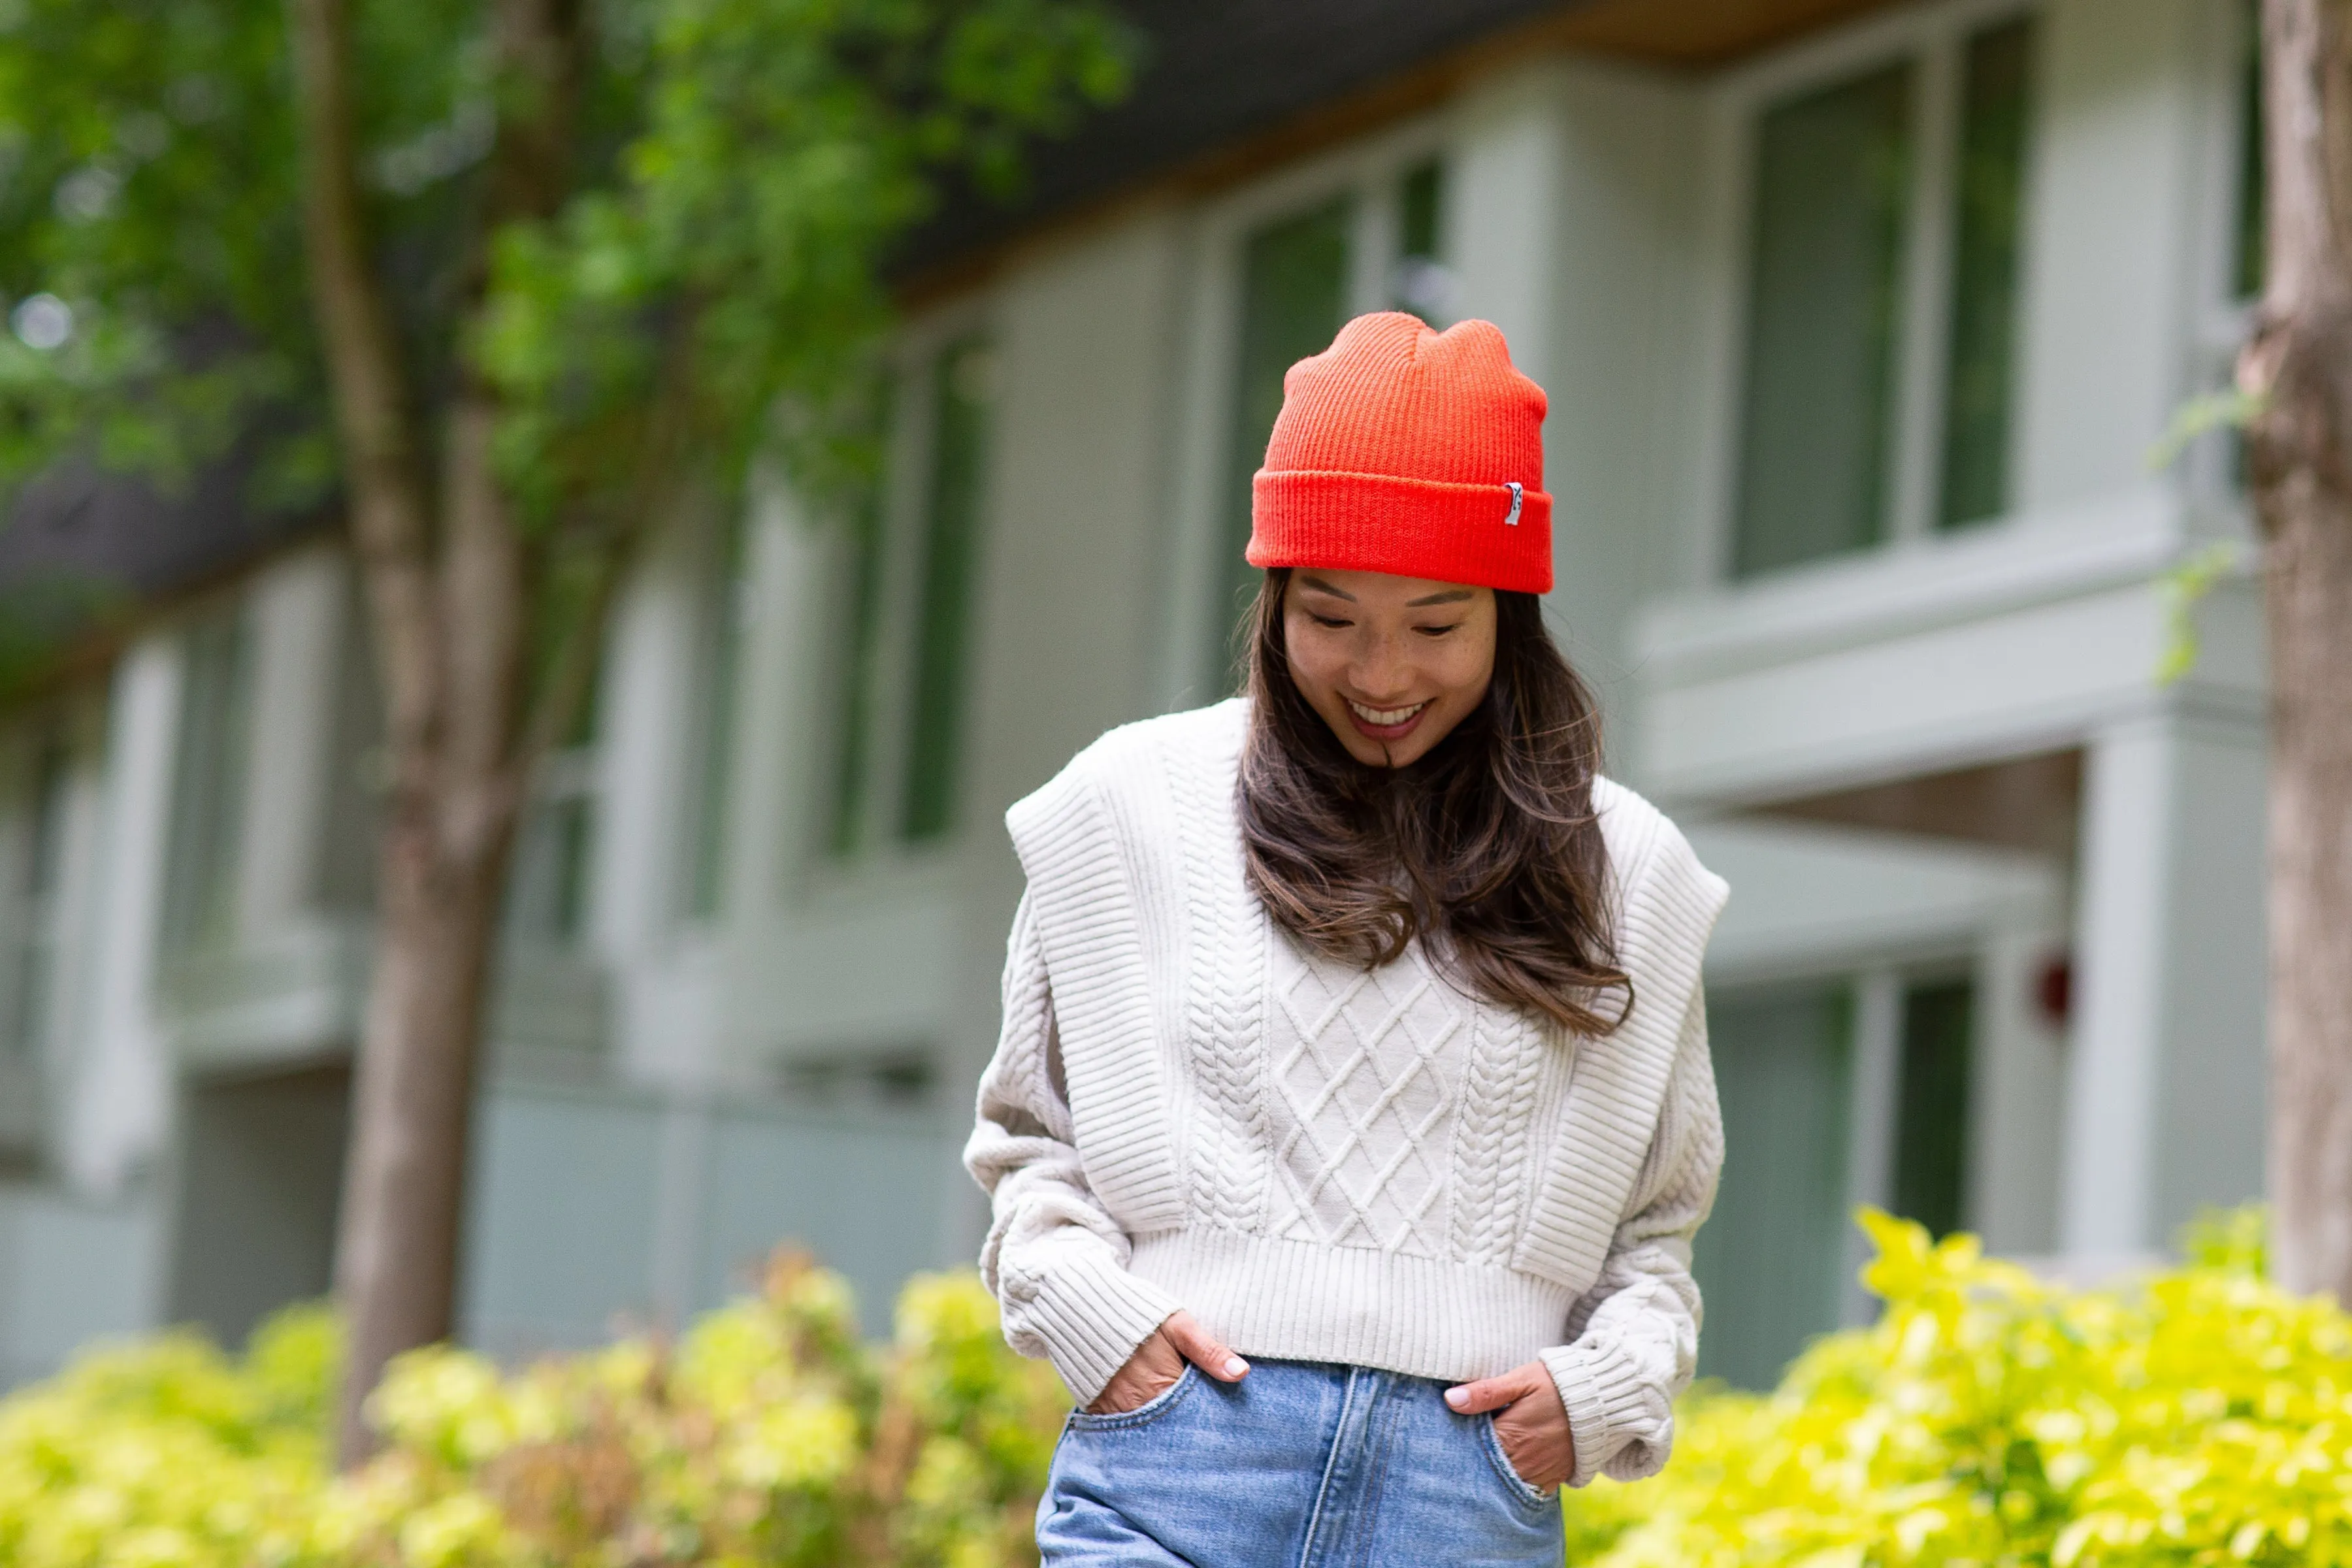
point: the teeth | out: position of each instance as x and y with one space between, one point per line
1385 718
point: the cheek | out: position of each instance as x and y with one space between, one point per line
1315 666
1464 672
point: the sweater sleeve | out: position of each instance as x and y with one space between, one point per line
1633 1340
1055 1258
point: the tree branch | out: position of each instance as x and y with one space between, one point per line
391 520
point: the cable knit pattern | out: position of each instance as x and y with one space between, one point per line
1490 1154
1187 1109
1368 1065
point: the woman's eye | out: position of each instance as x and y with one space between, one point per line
1329 623
1438 631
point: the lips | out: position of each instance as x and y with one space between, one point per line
1386 723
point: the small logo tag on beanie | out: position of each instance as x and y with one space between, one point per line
1518 499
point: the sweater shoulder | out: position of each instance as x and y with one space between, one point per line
1650 860
1129 758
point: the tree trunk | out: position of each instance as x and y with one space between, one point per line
451 591
2299 364
396 1254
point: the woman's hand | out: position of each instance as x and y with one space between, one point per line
1160 1360
1530 1422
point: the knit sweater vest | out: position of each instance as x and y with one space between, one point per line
1188 1109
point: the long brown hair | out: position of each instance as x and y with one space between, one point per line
1488 848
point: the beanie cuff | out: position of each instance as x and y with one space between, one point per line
1403 527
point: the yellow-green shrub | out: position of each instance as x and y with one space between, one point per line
2200 1416
768 1435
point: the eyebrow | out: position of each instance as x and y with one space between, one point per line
1450 596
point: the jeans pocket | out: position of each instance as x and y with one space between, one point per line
1143 1414
1528 1496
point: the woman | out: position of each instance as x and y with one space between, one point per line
1352 1115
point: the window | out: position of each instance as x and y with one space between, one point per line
1294 299
1932 1097
208 772
1298 282
960 398
910 581
30 920
1867 412
1797 1067
853 693
547 887
1770 1259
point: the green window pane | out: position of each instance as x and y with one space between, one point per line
721 658
1995 106
848 818
1294 297
1931 1113
950 550
1831 186
1420 198
2254 165
1771 1262
208 782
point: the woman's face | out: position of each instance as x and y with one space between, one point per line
1392 663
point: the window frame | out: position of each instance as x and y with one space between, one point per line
1934 41
881 851
1371 172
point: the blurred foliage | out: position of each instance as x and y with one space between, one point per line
730 185
2200 1416
768 1435
2196 1416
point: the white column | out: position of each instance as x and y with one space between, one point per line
299 611
1571 223
120 1075
646 731
2017 1094
2118 206
2165 1097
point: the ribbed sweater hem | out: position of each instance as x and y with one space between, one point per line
1297 1300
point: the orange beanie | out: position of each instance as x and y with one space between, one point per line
1412 452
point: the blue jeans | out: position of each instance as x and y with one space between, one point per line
1300 1465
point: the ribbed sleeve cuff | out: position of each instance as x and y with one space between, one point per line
1610 1408
1090 1314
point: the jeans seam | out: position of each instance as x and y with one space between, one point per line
1331 1463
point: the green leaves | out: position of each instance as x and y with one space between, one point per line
2200 1416
734 174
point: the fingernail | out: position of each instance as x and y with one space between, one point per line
1235 1366
1457 1398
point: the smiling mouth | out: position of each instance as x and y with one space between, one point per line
1389 718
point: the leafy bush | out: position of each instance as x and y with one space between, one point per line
768 1435
2200 1416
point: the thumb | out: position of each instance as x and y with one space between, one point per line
1486 1393
1203 1349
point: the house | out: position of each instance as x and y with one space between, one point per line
1862 324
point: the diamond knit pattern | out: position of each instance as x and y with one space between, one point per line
1368 1075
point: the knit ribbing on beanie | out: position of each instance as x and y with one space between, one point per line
1188 1109
1403 450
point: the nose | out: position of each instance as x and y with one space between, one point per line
1381 672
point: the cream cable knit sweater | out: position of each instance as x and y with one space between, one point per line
1188 1109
